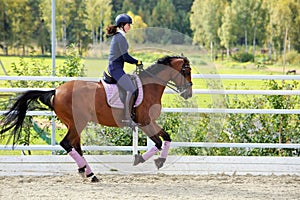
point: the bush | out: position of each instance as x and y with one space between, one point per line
26 68
73 65
239 128
293 58
243 57
264 128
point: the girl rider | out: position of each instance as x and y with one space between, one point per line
117 57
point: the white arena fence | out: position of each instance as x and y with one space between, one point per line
134 148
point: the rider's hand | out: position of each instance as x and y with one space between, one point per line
139 63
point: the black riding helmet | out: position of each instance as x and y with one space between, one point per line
122 19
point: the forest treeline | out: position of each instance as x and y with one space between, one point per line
25 25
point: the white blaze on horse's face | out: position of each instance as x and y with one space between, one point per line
182 77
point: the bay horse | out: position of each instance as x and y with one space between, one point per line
78 102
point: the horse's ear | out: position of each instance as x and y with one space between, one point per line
182 54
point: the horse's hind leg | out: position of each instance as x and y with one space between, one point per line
71 143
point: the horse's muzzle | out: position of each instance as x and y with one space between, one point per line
187 93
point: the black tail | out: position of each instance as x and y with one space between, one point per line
14 118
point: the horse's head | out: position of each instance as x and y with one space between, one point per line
182 76
172 68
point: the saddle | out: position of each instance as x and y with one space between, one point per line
116 95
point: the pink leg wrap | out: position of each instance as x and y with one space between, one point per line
78 158
165 149
150 153
88 169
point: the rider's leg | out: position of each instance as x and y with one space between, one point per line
129 103
126 83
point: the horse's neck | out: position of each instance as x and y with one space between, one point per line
160 78
155 84
153 88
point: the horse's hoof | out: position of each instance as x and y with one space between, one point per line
138 159
159 162
94 179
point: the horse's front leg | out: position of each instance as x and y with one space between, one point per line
159 162
164 147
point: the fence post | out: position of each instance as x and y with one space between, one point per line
150 143
135 140
53 135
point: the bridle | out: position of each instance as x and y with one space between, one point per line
185 71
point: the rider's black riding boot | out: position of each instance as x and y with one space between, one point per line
129 102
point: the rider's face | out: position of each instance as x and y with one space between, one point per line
127 27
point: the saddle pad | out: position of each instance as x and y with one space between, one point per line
112 94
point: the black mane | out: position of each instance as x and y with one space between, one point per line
167 59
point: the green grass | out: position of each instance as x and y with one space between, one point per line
95 67
7 61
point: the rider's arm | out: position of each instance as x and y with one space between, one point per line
123 46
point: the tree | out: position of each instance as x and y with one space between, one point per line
61 19
181 22
283 20
40 31
206 19
163 14
77 31
259 21
6 33
295 29
43 37
23 23
196 22
145 9
213 12
129 6
226 31
242 10
99 12
116 8
137 34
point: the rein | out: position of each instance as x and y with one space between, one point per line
172 86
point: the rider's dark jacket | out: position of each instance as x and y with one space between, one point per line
119 55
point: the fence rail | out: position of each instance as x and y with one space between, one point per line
173 145
194 76
195 91
135 147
